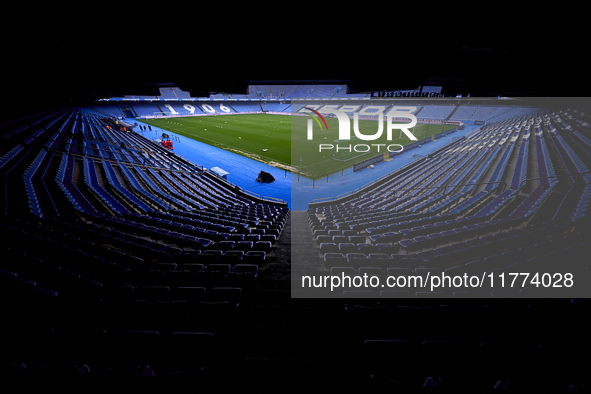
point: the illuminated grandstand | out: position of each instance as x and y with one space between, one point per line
489 202
138 264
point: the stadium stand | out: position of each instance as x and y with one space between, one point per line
433 223
436 112
126 266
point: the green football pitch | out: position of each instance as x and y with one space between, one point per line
270 139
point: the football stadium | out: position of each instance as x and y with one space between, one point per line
254 231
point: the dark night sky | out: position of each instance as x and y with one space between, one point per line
51 56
